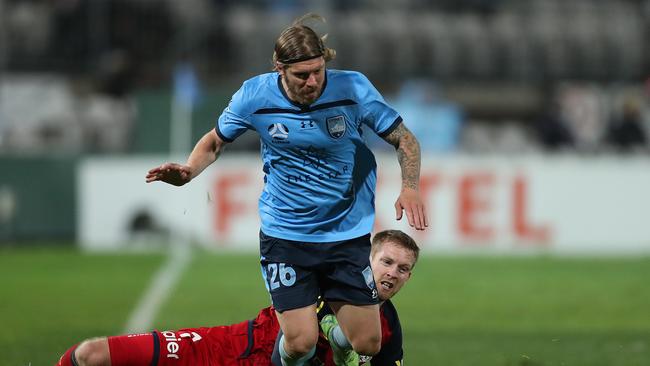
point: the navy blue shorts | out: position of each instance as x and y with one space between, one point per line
296 272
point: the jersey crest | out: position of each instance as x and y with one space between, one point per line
336 126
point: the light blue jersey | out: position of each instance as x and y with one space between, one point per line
320 176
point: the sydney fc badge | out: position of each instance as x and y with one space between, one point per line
336 126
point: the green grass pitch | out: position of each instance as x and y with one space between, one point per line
520 311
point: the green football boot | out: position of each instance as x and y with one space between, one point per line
341 357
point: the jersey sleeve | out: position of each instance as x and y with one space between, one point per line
377 114
233 120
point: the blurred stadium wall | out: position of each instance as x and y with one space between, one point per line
533 116
557 205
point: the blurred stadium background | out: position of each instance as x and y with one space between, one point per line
533 116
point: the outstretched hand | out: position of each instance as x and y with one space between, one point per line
409 200
171 173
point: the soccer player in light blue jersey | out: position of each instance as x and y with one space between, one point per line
317 207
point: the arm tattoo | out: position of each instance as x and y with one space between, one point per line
408 155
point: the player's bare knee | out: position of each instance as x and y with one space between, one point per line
367 346
300 345
93 352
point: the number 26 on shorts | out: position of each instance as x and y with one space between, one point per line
280 274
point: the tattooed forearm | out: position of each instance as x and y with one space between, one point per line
408 155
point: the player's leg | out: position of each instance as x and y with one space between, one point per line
360 325
352 295
295 304
300 334
294 292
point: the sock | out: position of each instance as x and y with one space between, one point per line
339 339
290 361
68 358
276 360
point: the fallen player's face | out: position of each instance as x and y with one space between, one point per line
391 266
305 80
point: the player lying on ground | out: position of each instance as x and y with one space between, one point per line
252 343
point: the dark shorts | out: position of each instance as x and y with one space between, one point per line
296 273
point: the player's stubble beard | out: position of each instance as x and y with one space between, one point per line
310 97
304 95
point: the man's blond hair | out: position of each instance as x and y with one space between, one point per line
299 42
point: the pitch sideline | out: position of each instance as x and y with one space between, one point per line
162 284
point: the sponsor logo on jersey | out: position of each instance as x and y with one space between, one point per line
173 341
309 178
278 132
336 126
172 344
307 125
312 156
